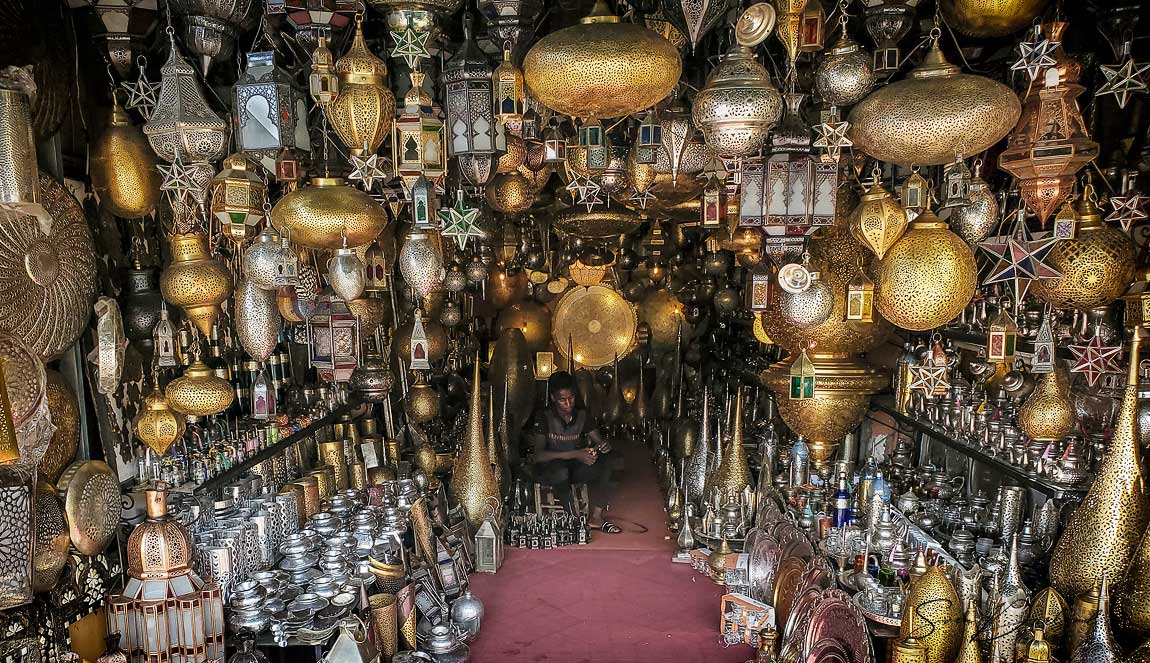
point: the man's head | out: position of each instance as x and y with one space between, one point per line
563 392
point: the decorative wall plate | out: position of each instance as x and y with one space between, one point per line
91 497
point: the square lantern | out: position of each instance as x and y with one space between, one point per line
860 298
488 547
239 196
956 184
758 291
714 207
593 140
812 33
554 145
544 367
648 139
419 360
417 137
1001 338
270 113
334 335
914 194
790 195
802 378
424 205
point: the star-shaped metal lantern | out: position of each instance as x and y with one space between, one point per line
460 223
180 181
928 378
1036 55
585 191
1094 359
411 46
141 95
1127 210
1020 258
1123 81
831 136
367 170
641 198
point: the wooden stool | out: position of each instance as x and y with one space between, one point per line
546 500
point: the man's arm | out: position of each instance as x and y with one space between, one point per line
542 454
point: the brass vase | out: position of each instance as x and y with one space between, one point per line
843 388
927 277
1047 414
123 168
196 281
422 400
473 485
936 604
1104 531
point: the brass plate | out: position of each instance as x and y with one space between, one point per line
91 497
755 25
599 323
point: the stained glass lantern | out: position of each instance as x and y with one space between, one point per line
593 140
648 138
860 297
270 113
334 336
423 203
263 405
554 145
802 377
119 27
1001 338
238 198
758 288
812 33
470 118
288 170
714 205
417 137
377 269
509 91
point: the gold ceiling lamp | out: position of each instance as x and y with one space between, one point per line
199 392
933 115
123 168
157 424
510 193
1104 531
601 68
843 387
937 605
878 221
473 485
601 222
593 325
195 281
1047 415
990 18
50 272
927 277
321 214
1097 264
739 105
65 410
364 108
1051 144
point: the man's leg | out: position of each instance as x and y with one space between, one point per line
598 480
557 474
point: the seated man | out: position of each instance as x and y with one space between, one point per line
569 449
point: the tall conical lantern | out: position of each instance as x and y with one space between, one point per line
695 18
601 68
1104 531
512 377
932 115
473 484
1099 646
695 470
123 168
195 281
937 604
1132 600
734 474
364 109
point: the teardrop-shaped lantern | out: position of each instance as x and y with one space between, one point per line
421 263
195 281
257 320
364 109
123 168
878 221
157 424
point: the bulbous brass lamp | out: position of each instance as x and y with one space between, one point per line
932 115
321 214
363 111
990 18
602 67
157 424
739 105
195 281
927 277
199 392
123 168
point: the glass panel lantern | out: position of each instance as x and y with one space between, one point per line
334 334
812 33
593 140
648 139
860 297
802 378
1001 338
554 145
488 547
323 84
417 137
509 91
470 118
544 365
270 113
238 198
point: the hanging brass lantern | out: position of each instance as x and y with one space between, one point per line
157 424
473 484
199 392
601 68
739 106
1097 265
417 136
846 74
123 168
878 221
1050 144
183 123
505 287
210 27
990 18
926 278
473 134
422 400
269 113
1047 415
257 320
364 109
195 281
238 198
1102 534
599 223
977 218
510 193
809 307
932 115
421 262
435 333
321 214
509 91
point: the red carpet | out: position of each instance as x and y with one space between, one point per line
618 600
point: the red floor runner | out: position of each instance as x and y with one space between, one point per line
618 600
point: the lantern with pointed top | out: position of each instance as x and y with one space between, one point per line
164 340
593 140
238 198
423 203
554 145
471 124
1001 338
648 138
956 184
802 377
417 137
915 194
860 297
812 30
269 111
323 84
507 80
1043 360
